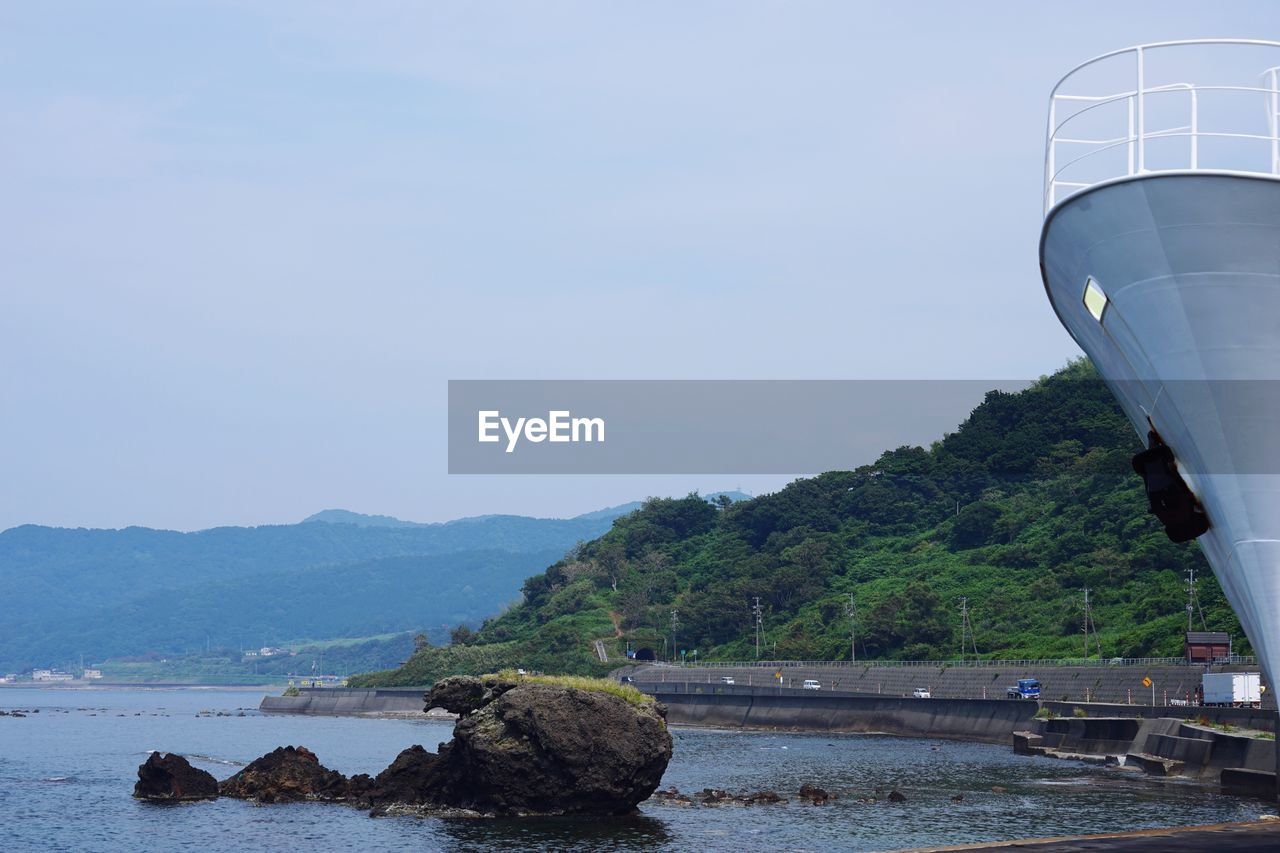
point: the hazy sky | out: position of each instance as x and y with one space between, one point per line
245 244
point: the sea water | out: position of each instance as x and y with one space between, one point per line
67 774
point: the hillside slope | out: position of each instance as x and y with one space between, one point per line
1031 500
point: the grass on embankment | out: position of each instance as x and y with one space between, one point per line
582 682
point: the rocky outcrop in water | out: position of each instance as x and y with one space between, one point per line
716 797
287 774
815 795
172 778
528 748
518 748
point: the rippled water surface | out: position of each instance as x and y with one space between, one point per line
66 775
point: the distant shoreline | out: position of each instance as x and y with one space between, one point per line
139 685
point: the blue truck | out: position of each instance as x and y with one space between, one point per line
1026 688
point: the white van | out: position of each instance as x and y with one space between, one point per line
811 684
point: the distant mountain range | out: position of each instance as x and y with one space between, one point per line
98 594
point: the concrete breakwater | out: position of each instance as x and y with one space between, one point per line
1160 747
344 701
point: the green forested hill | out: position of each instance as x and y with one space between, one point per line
1031 500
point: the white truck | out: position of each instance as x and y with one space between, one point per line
1232 689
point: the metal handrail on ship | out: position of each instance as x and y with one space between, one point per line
1134 134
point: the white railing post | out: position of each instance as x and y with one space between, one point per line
1195 128
1129 101
1275 123
1050 163
1142 118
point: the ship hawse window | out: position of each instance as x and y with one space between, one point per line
1094 299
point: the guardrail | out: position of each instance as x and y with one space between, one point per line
1237 660
1111 117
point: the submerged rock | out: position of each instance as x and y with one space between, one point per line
287 774
813 794
172 778
896 796
716 797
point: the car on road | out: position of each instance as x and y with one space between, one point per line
1026 688
921 693
726 679
811 684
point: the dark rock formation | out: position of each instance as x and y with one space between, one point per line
897 797
287 774
814 794
528 748
519 748
716 797
171 777
672 796
412 779
462 694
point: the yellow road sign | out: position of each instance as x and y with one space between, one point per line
1146 682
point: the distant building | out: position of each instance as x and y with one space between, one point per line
51 675
92 673
1207 646
317 681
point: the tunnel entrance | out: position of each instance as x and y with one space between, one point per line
645 653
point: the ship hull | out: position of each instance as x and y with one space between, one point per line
1188 338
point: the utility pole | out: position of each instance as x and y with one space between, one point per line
1193 601
758 611
675 626
851 610
1089 624
966 630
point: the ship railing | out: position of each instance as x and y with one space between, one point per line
1095 137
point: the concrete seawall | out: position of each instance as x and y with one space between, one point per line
992 721
340 701
1163 746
